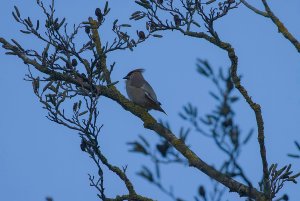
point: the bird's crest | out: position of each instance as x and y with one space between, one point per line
141 70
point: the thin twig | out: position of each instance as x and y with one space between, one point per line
264 14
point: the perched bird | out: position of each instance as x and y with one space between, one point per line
140 92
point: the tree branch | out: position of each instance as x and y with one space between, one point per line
129 197
149 122
102 57
264 14
281 28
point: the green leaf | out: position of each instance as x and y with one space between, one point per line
157 35
297 145
75 107
234 99
25 32
206 65
195 23
125 25
138 148
279 172
17 11
294 155
82 113
16 18
214 96
248 136
144 140
37 25
145 5
105 7
182 116
61 23
115 22
295 176
10 53
146 173
202 71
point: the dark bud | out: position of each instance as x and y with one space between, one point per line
160 1
285 197
133 42
163 148
123 36
177 20
100 172
60 47
36 85
87 29
56 26
225 110
231 1
68 65
137 147
49 199
234 135
227 123
151 26
229 84
141 35
37 25
98 12
201 191
83 76
74 62
47 24
220 6
83 145
75 107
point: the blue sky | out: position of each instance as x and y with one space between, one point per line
39 158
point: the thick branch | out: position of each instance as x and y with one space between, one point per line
129 197
102 56
281 28
258 114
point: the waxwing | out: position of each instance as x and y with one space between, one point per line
140 92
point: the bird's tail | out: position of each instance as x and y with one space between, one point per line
160 109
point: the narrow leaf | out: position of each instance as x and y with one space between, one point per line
82 113
248 136
144 140
297 145
17 11
157 35
25 32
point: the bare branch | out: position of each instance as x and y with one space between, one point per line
281 28
264 14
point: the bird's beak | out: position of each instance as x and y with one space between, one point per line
126 77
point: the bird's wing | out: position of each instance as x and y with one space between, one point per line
149 92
